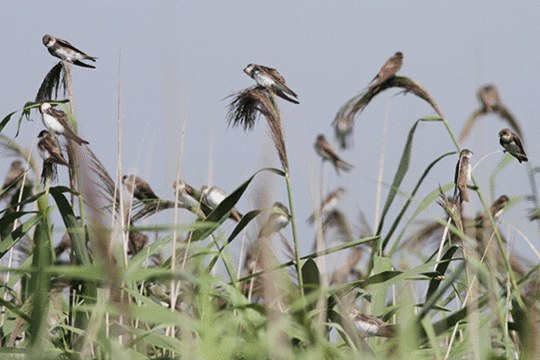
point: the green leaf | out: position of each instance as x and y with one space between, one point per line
311 276
441 269
17 234
76 232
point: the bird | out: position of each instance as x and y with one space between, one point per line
369 325
463 175
138 187
51 154
136 242
489 97
57 122
272 80
15 172
276 220
190 198
343 130
327 205
498 205
323 148
65 51
213 196
512 144
49 149
389 69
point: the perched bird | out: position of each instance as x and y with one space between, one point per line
15 173
191 199
323 148
463 175
270 79
136 242
140 188
327 205
57 122
343 130
511 143
213 196
276 220
369 325
65 51
489 97
51 154
498 205
49 149
389 69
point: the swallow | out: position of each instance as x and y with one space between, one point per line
136 242
512 144
49 149
15 173
191 199
369 325
323 148
463 175
270 79
213 196
138 187
343 129
276 220
57 122
489 97
389 69
65 51
498 205
328 204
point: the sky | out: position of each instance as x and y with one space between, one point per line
163 64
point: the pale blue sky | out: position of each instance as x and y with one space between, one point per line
181 59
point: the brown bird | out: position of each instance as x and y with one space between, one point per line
489 97
463 175
323 148
328 204
65 51
57 122
512 144
136 242
276 220
389 69
369 325
140 188
51 154
14 174
213 196
49 149
498 205
270 79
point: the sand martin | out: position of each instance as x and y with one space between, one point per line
138 187
323 148
343 129
489 97
213 196
136 242
512 144
276 221
271 79
463 175
57 122
369 325
191 198
498 206
65 51
15 173
328 204
49 149
389 69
